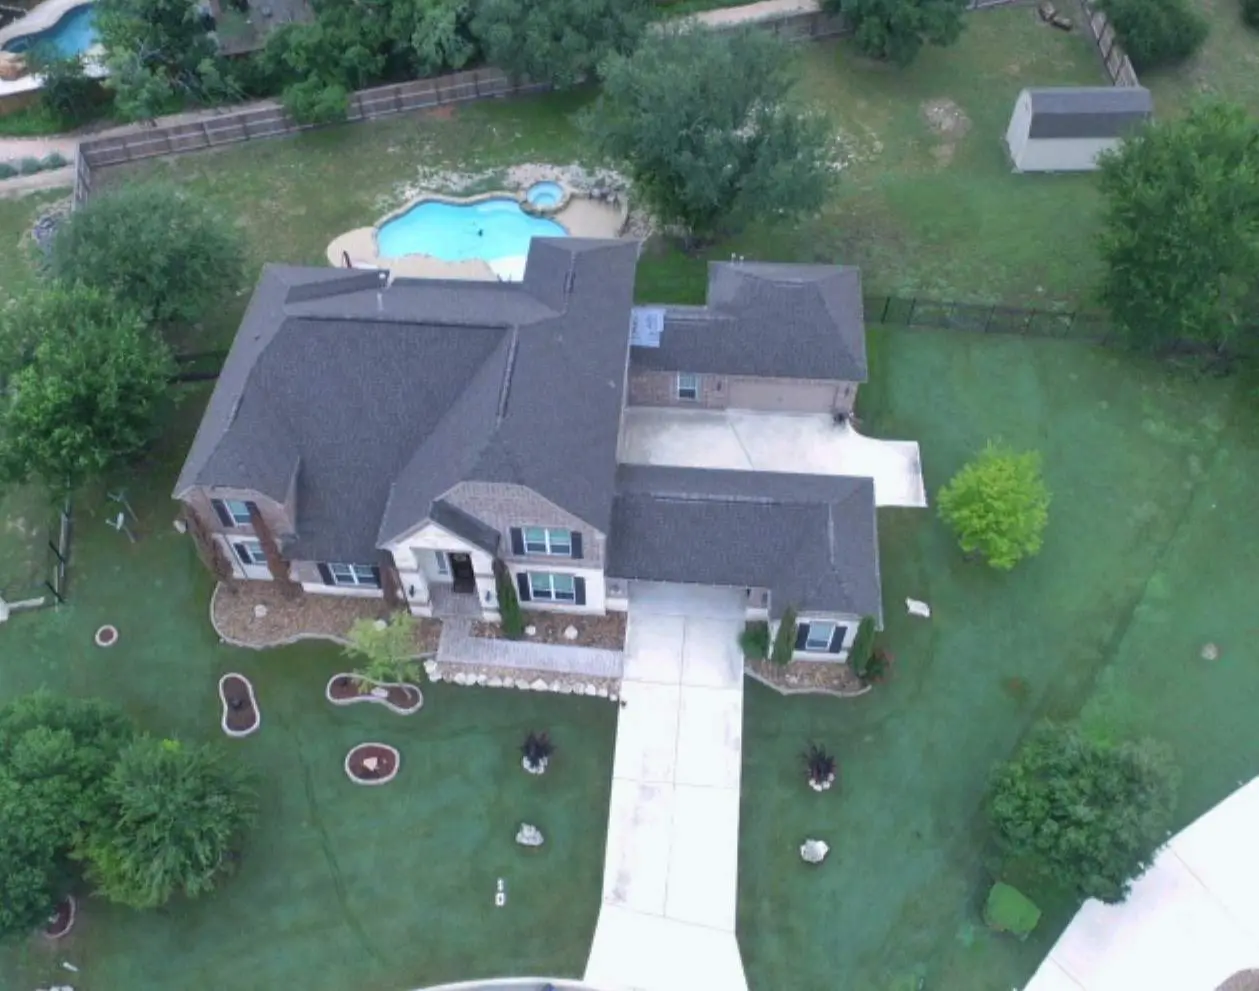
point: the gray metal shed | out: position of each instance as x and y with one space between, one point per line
1064 129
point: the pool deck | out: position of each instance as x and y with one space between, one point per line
581 217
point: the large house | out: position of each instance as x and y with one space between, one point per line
413 438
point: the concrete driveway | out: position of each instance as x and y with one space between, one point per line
805 443
670 882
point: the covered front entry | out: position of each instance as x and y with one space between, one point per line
462 575
670 876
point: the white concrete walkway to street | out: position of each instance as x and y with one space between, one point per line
670 880
804 443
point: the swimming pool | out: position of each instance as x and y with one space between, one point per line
73 33
489 229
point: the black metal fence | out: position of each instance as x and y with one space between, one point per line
989 318
59 535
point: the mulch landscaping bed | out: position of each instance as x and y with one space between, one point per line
808 675
606 632
346 688
62 920
355 763
241 715
309 615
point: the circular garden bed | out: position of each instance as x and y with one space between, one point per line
400 697
372 764
106 636
62 920
241 715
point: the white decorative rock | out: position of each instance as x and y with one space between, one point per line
482 678
460 678
816 785
380 693
538 768
553 687
529 835
181 526
612 696
260 611
531 630
522 684
539 686
380 624
494 681
430 666
436 675
814 851
566 688
603 691
918 608
589 690
371 763
570 633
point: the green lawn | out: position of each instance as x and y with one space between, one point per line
1147 558
1227 64
376 889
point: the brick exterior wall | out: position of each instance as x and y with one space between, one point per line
648 387
276 515
505 506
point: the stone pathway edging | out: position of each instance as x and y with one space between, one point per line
369 697
804 691
238 733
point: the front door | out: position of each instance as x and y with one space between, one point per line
462 577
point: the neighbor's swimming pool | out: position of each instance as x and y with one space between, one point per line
488 229
73 33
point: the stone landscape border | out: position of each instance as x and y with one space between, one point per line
369 697
253 700
106 636
368 782
474 675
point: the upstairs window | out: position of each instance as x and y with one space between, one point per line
548 540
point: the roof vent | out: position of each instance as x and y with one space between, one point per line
646 326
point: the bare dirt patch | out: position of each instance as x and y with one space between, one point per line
948 122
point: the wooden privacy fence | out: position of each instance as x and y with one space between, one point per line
1118 66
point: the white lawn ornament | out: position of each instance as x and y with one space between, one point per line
918 608
500 893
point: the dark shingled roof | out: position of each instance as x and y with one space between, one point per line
812 540
1088 111
769 320
382 397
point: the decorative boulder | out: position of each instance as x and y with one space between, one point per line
529 835
260 611
494 681
570 633
531 630
430 666
539 686
589 690
814 851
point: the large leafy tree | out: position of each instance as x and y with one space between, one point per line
1180 229
706 125
55 754
176 814
1157 32
153 50
83 383
160 250
1081 813
896 30
998 505
557 41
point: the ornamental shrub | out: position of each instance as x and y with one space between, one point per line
785 640
998 506
1156 32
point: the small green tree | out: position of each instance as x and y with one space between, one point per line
1156 33
754 640
785 638
55 754
1180 230
165 253
385 650
85 384
1081 813
862 647
177 813
895 30
65 89
512 620
557 41
998 506
706 125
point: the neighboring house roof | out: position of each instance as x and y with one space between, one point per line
812 540
767 320
383 395
1088 111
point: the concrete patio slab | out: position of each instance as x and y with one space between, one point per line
810 444
671 866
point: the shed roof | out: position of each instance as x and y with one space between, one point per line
1087 111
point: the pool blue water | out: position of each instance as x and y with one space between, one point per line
73 34
455 232
545 193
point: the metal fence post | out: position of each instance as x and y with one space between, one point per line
887 305
913 305
992 312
